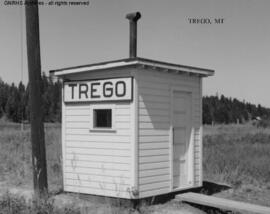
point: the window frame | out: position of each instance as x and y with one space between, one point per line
94 107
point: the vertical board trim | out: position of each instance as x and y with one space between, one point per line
63 138
201 138
171 139
134 141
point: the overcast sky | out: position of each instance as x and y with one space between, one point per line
238 50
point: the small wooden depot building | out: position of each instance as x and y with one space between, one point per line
132 128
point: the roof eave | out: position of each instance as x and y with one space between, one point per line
138 61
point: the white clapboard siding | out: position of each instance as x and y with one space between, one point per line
154 98
153 172
153 112
99 158
98 145
98 138
96 152
153 85
97 165
153 179
154 119
94 171
150 91
98 185
151 126
122 112
86 190
159 77
97 162
164 86
154 138
151 132
122 118
153 159
152 152
97 178
119 125
154 127
153 145
157 165
153 186
153 105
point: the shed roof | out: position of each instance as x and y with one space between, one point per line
162 66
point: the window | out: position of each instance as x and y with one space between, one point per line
102 118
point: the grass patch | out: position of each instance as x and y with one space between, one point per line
238 156
16 157
13 204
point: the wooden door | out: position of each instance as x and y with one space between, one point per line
181 122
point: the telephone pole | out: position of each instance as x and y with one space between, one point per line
36 117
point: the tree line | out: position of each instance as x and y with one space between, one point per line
216 109
14 105
221 109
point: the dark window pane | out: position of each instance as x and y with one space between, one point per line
102 118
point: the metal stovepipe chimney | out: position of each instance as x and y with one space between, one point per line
133 18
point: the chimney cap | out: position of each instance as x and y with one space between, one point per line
134 16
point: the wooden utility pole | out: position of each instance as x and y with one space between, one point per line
34 71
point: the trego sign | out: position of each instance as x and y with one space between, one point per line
98 90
